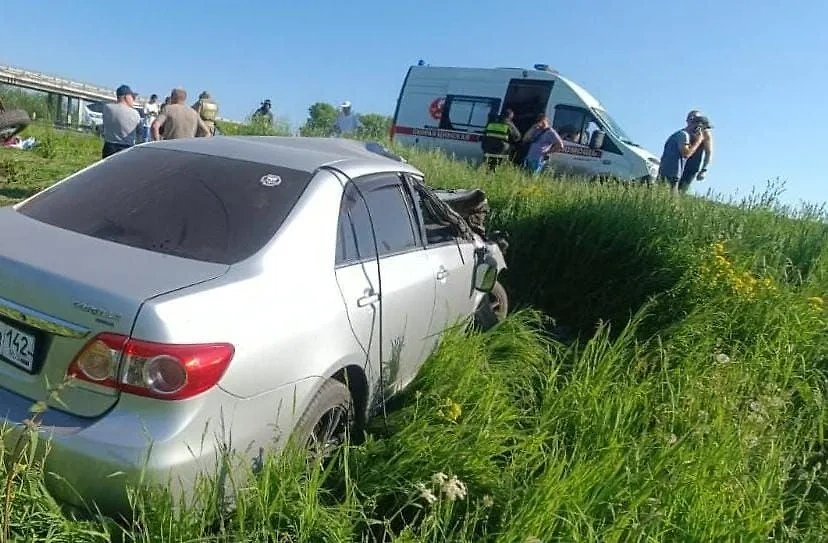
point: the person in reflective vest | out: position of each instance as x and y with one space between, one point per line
207 109
498 138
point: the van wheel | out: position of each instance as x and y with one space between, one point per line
327 421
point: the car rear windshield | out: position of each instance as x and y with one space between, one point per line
185 204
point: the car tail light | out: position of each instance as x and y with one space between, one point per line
157 370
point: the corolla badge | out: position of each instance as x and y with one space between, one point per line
97 311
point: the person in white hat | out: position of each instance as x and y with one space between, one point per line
346 121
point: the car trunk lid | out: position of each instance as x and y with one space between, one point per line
58 289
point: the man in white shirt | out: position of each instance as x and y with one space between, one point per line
346 122
151 110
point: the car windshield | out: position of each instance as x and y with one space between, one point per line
97 107
190 205
613 127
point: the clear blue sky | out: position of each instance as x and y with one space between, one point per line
758 69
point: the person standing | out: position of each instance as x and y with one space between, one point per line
179 120
677 149
207 109
120 122
151 110
346 122
542 140
697 163
498 138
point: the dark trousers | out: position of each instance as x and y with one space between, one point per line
493 161
110 148
687 177
677 184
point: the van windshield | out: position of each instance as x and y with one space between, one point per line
613 127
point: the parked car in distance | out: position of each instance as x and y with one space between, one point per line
188 289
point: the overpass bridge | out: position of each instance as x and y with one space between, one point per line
64 96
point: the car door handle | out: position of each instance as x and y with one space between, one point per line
442 273
368 299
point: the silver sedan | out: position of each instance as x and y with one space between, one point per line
180 291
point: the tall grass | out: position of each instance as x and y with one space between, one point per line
664 379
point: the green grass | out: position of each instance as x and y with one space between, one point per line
690 405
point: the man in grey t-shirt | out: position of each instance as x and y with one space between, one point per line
120 122
677 149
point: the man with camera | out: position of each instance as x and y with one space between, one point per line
696 166
679 147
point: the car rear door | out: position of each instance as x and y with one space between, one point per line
356 276
394 285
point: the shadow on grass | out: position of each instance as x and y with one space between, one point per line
587 263
16 193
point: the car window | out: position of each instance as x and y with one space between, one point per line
355 241
391 214
190 205
437 229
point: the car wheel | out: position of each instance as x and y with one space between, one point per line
493 309
327 421
499 301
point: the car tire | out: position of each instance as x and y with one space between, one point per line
499 301
329 418
493 309
12 122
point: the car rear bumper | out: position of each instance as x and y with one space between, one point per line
96 463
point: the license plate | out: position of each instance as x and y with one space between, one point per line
17 346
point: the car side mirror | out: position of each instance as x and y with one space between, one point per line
485 274
596 141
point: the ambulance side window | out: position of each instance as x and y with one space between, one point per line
468 113
576 125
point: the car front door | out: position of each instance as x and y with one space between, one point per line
401 275
452 261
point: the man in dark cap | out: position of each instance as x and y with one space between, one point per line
696 165
680 146
121 122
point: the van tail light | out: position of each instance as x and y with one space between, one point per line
155 370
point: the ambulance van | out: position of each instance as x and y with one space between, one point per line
447 108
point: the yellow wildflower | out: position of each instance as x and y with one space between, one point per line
817 303
452 410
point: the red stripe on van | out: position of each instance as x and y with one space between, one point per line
437 133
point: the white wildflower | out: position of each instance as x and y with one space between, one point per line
428 496
454 489
439 478
672 439
487 501
722 358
